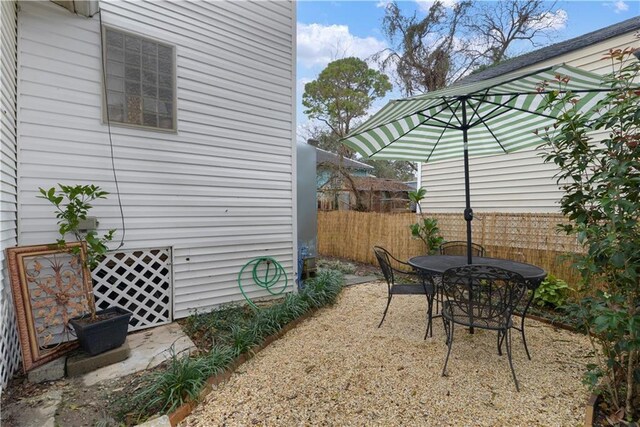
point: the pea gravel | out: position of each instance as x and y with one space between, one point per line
338 369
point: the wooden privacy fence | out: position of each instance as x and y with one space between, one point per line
527 237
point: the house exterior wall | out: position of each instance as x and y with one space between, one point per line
9 346
219 191
515 182
324 174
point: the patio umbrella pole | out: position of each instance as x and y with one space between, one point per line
468 212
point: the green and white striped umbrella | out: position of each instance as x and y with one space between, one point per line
501 115
492 116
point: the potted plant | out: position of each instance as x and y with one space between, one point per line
97 331
426 229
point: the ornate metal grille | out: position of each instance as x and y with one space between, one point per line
138 280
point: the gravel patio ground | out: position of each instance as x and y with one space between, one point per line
338 368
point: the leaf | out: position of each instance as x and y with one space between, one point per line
618 260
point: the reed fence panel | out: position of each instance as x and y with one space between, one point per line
527 237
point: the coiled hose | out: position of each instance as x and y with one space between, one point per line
266 272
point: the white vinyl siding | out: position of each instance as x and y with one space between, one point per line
9 346
515 182
219 191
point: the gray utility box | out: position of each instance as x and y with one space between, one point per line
307 210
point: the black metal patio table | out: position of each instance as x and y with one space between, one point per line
432 266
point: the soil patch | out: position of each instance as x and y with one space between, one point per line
81 405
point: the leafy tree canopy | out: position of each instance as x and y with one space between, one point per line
343 92
393 169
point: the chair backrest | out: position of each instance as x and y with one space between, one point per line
385 264
460 248
482 291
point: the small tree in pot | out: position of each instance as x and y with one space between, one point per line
106 329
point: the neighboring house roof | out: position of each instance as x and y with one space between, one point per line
369 183
554 50
323 156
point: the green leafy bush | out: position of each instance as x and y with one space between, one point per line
72 203
426 229
602 200
243 338
215 325
165 390
552 292
323 289
181 381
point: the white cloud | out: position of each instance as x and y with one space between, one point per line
619 6
383 4
425 5
320 44
553 20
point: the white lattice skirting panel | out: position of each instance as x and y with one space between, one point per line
10 356
138 280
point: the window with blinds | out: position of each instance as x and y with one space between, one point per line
140 81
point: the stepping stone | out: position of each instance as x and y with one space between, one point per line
81 363
149 348
352 279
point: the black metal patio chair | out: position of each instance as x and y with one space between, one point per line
483 297
404 282
459 247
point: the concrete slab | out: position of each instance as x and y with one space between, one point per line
81 363
352 279
51 371
149 348
36 411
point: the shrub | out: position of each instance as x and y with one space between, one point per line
323 289
165 390
218 358
426 229
243 338
602 200
552 292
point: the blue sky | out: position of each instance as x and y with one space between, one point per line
329 30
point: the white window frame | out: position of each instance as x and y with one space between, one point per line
174 125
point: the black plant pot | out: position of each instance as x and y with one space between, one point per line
106 333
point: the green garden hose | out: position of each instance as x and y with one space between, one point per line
266 272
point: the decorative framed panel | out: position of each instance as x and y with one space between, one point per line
50 285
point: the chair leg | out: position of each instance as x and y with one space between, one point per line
446 330
449 345
524 339
429 331
508 342
385 310
500 338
